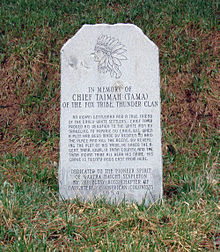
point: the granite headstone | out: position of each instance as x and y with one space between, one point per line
110 134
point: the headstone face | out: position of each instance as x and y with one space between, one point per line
110 135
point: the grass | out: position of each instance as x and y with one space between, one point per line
31 217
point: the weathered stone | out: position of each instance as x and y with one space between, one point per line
110 136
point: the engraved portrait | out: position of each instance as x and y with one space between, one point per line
109 54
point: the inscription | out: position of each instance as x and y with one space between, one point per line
110 97
106 180
111 137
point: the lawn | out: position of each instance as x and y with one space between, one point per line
31 216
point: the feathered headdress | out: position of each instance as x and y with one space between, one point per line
113 53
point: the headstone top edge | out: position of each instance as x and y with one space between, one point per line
117 24
85 26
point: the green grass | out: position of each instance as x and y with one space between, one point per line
31 216
33 219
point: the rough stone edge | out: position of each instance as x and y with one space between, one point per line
109 25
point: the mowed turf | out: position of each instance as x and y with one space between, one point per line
31 216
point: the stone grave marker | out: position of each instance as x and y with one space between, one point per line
110 135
